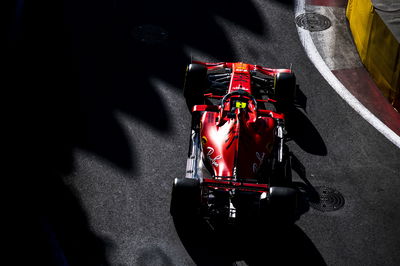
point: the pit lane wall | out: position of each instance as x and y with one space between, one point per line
377 46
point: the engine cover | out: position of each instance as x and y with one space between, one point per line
235 144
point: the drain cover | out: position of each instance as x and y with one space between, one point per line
150 34
313 22
329 200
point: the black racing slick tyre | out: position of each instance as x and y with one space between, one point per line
285 90
283 203
185 198
195 83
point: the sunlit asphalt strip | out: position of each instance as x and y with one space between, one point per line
319 63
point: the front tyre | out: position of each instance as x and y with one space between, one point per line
285 90
195 83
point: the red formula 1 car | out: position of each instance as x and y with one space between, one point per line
238 165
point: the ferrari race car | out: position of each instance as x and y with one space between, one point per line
238 165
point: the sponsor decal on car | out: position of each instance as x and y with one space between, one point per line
213 161
260 156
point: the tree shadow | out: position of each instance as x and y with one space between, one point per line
74 65
115 65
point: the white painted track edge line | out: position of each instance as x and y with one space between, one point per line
340 89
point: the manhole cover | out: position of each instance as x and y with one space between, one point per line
150 34
313 22
329 200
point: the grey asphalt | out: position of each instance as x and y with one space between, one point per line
108 132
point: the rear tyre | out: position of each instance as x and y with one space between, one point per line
283 205
285 90
185 198
195 83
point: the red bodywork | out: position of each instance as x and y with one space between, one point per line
235 145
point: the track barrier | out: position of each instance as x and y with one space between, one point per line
376 34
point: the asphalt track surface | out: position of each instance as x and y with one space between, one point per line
103 130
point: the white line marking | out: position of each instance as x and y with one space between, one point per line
319 63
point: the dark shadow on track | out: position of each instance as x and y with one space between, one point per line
73 66
153 256
301 129
262 245
286 2
48 222
115 62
